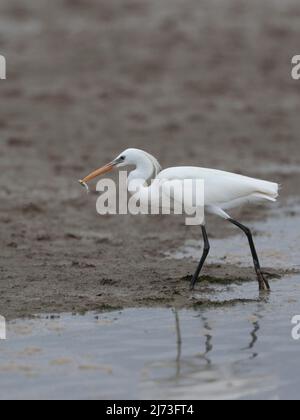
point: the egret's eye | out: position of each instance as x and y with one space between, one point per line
122 158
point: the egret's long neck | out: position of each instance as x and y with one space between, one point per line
143 172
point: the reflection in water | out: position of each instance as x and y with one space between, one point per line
257 317
200 375
179 343
254 339
185 366
208 343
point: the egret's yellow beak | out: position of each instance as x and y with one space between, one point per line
104 170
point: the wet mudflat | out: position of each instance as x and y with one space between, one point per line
241 350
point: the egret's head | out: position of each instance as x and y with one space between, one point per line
133 157
130 157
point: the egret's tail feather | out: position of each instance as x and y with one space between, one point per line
268 190
260 196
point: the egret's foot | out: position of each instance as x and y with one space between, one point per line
193 283
263 282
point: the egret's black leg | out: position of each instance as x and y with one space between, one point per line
263 283
203 259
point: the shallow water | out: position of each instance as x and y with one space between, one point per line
232 351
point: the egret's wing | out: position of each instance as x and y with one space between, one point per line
188 193
221 187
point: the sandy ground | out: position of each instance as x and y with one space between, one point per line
193 82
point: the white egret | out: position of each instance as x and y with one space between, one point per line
223 191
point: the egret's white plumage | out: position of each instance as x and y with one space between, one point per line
223 191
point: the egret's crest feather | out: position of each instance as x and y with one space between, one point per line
156 165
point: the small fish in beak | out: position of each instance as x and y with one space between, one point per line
85 185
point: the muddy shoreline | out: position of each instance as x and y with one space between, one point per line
207 86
